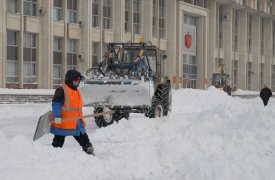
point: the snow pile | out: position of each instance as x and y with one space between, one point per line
208 136
189 100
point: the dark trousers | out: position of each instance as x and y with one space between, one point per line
265 101
83 141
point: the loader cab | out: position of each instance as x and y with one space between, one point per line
132 61
152 59
220 80
143 59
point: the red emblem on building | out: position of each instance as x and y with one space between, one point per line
188 40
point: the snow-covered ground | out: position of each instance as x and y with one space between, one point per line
27 91
243 92
208 136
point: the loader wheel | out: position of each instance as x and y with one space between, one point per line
167 98
117 116
126 116
104 120
157 110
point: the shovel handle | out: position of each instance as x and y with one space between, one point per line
87 116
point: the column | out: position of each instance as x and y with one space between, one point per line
202 49
45 47
172 31
227 39
21 43
212 6
65 41
242 48
147 20
2 42
256 50
268 51
85 39
119 17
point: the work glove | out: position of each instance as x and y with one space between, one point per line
57 120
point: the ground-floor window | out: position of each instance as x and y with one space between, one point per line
29 72
262 76
273 78
235 74
249 73
189 71
29 58
57 68
12 57
57 72
11 71
95 53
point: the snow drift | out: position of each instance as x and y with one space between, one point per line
208 136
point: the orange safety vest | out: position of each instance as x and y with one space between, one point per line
71 108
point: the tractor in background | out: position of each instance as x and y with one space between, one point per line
220 80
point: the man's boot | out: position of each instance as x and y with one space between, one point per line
89 149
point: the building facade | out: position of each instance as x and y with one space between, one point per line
41 39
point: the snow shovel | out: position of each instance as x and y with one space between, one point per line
44 122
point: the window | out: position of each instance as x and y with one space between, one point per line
30 7
196 2
190 20
249 74
262 76
57 44
273 78
136 20
127 16
189 71
235 73
12 57
57 10
201 3
95 54
130 55
72 11
29 58
57 60
12 6
262 37
95 14
273 38
155 15
162 19
107 14
104 47
72 54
